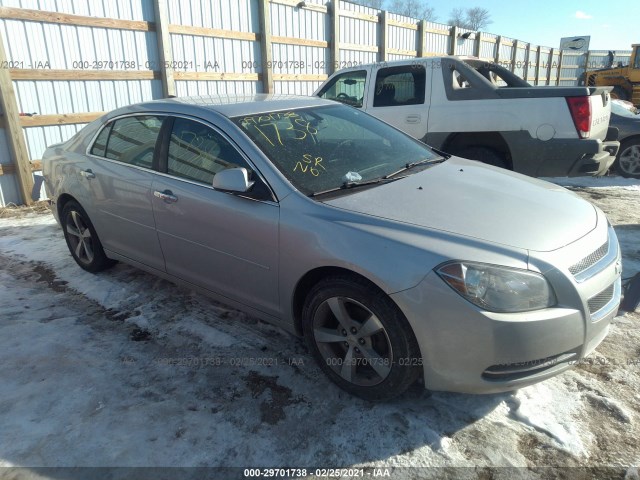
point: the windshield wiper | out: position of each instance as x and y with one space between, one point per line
352 185
414 164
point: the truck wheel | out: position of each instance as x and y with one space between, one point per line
484 155
628 161
619 93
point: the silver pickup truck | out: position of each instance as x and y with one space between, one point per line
480 110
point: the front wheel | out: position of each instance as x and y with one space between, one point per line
628 161
360 338
82 239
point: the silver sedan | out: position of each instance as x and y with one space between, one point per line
394 261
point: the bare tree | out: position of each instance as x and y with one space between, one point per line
457 18
475 18
478 18
414 8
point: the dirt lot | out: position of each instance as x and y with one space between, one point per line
124 369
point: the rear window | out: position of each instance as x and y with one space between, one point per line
129 140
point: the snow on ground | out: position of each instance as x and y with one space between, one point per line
125 369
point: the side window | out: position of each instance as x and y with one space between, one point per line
403 85
100 145
347 88
197 152
133 139
636 63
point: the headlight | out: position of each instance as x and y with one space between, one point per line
498 289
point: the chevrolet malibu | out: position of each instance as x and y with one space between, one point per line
393 260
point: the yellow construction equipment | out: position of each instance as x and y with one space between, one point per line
624 79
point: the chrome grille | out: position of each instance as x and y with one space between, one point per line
590 259
601 299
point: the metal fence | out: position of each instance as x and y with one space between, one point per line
64 63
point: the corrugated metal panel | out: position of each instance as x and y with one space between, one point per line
296 88
356 31
238 15
487 50
465 46
520 65
141 10
211 87
39 138
352 58
438 43
506 53
402 38
600 58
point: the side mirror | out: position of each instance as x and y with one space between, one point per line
234 180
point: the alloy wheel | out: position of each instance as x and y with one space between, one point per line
353 341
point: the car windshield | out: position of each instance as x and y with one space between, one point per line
333 146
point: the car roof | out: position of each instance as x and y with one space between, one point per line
233 105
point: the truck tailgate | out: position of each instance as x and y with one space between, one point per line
600 113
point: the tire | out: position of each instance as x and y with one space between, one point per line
628 159
82 239
619 93
385 360
485 155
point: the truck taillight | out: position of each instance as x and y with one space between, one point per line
580 108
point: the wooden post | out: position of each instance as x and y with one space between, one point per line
559 68
335 36
477 47
422 34
453 33
13 130
164 47
538 54
265 46
586 67
384 28
498 45
527 58
550 65
514 55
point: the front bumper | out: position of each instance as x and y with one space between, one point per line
466 349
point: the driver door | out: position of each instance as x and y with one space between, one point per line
223 242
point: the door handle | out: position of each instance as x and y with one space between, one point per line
415 118
87 173
167 196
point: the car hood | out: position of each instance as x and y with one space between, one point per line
475 200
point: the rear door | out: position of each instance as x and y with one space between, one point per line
600 114
223 242
119 184
398 97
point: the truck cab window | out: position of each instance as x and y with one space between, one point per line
347 88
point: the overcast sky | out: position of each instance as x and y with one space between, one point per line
611 25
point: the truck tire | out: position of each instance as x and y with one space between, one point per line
485 155
619 93
627 162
